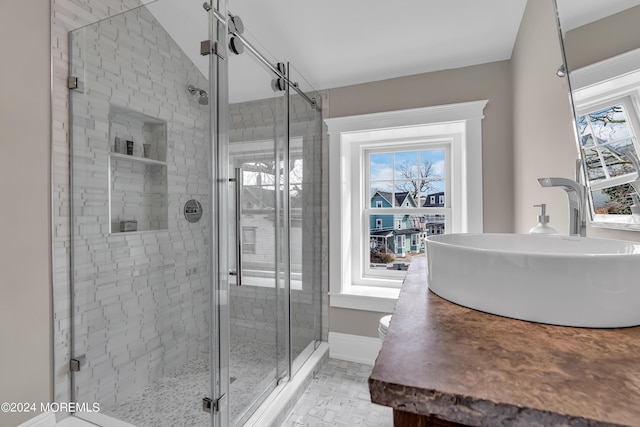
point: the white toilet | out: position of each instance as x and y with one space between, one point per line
383 326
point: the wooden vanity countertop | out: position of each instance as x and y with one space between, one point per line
444 360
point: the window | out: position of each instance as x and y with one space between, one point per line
248 240
607 139
432 200
450 137
378 203
402 174
441 199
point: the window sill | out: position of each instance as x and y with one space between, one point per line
369 298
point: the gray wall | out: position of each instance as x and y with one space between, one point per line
544 144
25 219
488 81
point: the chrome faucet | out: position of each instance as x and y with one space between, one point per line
576 193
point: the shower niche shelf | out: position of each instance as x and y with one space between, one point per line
137 184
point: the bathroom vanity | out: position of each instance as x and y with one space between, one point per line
442 364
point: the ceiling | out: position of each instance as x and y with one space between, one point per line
335 43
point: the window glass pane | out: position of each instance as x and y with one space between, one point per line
381 193
609 124
406 165
595 171
432 163
296 174
584 131
392 247
613 200
405 193
248 240
381 167
413 185
615 157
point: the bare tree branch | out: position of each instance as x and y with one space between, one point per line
417 185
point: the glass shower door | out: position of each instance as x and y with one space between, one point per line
258 203
141 220
305 194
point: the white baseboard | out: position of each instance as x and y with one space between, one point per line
46 419
354 348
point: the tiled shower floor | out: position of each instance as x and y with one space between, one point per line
176 400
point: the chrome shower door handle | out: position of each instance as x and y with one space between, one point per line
238 181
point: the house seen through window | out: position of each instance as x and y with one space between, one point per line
406 186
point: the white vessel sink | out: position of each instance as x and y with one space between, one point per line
559 280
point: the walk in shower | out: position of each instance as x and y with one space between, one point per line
198 234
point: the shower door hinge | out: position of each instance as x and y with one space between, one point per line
77 363
207 48
211 406
75 84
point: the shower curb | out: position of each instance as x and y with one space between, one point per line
274 412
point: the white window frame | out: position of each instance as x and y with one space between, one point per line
378 203
609 82
460 123
378 223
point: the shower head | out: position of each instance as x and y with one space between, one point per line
203 96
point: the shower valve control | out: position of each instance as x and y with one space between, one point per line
193 210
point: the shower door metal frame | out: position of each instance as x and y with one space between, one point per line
220 327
